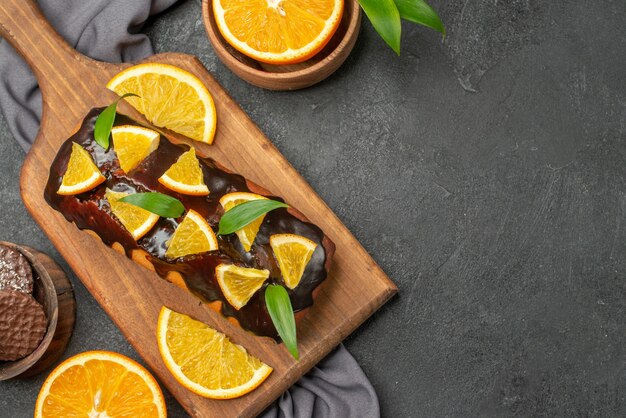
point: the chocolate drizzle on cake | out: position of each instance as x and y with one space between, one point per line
91 211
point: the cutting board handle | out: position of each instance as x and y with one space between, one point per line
24 27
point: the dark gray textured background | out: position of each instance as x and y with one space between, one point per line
486 177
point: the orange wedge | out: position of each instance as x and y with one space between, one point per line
204 360
278 31
136 220
248 233
193 236
132 144
81 174
238 284
100 384
293 253
185 175
169 97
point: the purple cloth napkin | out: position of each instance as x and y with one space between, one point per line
336 387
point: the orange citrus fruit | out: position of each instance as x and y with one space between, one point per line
132 144
82 174
204 360
238 284
248 233
185 175
278 31
193 236
136 220
100 384
293 253
169 97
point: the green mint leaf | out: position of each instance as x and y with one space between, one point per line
280 310
418 11
104 122
385 18
159 203
244 213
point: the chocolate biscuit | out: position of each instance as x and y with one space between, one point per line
15 271
23 324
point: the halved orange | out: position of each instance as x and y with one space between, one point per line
238 284
204 360
278 31
169 97
81 174
185 175
136 220
100 384
293 253
133 144
248 233
193 236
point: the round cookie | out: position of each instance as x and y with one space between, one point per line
15 271
23 324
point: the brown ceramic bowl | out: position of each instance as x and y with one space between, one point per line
288 77
54 292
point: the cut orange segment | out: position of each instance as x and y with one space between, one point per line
185 175
293 253
169 97
193 236
133 144
136 220
248 233
238 284
204 360
82 174
100 384
278 31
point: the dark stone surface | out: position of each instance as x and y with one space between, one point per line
499 213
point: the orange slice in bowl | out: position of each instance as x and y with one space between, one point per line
81 175
278 31
204 360
136 220
238 284
193 236
248 233
185 175
169 97
133 144
100 384
293 253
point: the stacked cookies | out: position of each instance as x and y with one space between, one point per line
23 321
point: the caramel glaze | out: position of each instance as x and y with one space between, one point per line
91 211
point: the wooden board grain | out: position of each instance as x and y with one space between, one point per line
72 84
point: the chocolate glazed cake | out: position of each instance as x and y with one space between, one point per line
91 211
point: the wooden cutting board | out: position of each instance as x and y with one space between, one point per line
72 84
